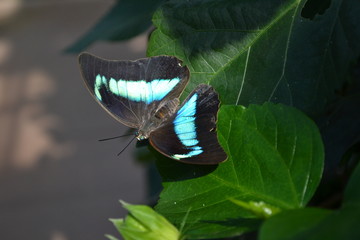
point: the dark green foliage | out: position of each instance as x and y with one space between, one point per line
301 54
125 20
256 51
275 157
314 224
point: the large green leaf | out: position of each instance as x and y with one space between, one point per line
275 162
126 19
256 51
314 224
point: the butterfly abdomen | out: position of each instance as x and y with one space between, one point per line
167 109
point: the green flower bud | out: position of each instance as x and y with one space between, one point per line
143 223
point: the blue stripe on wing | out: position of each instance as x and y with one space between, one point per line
138 91
185 128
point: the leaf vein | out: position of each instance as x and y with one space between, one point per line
244 75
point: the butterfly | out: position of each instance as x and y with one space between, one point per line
144 94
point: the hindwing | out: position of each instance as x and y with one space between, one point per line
190 134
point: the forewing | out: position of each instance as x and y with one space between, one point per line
132 90
190 135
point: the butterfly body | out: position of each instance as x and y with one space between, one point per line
144 94
157 118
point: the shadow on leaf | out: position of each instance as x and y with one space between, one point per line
173 171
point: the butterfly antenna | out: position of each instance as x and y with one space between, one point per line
111 138
127 145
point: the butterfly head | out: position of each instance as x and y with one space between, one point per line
141 135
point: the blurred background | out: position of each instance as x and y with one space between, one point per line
57 182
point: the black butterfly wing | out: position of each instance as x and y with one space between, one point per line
131 91
190 135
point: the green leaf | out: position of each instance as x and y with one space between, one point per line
257 51
275 157
288 224
111 237
125 20
144 223
352 192
314 224
260 209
